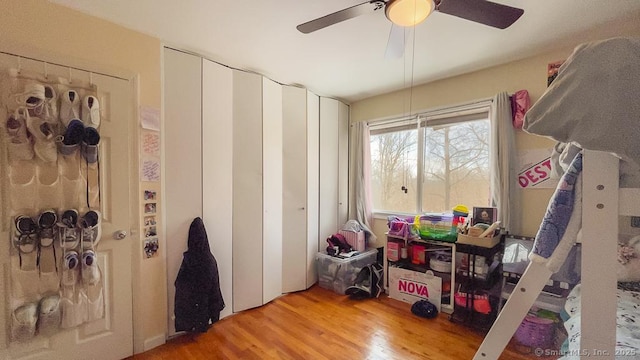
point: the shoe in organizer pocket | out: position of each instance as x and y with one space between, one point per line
44 136
51 99
19 146
91 111
23 322
69 107
25 241
90 142
47 259
70 141
49 315
67 227
91 229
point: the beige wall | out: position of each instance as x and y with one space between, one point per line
529 74
45 31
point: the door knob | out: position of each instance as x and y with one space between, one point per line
120 234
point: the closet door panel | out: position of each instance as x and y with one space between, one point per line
247 191
313 184
328 220
183 177
343 163
217 190
294 169
272 212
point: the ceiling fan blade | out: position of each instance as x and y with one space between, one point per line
339 16
396 43
481 11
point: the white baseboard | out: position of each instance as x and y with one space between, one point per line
155 342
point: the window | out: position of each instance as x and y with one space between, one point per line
433 162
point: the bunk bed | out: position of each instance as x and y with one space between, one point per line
593 105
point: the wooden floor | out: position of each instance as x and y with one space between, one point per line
319 324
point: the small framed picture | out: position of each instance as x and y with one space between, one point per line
149 220
151 247
149 195
150 208
150 231
484 215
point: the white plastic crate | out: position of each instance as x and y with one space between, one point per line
338 274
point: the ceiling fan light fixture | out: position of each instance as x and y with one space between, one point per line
408 12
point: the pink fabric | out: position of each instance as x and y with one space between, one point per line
355 239
520 105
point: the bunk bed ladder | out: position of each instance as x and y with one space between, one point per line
599 253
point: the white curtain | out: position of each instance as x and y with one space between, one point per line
505 193
360 202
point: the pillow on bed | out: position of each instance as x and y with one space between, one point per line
594 99
628 266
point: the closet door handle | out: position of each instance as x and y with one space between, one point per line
302 208
120 234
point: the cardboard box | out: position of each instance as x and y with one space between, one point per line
411 286
487 242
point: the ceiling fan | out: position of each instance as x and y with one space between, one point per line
412 12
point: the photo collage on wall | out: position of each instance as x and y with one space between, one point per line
150 224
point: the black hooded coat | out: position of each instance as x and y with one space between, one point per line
198 299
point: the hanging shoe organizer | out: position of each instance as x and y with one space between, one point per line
50 139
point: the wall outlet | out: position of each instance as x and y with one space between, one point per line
635 221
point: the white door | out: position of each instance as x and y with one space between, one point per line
110 337
183 150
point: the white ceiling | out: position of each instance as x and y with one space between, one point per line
347 60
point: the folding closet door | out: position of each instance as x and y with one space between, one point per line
247 191
217 178
300 187
343 163
294 194
328 223
313 185
334 167
183 156
272 189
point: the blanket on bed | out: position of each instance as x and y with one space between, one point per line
627 324
562 221
594 99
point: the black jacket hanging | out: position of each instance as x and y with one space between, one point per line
198 299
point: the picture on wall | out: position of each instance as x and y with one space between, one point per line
149 195
150 247
150 208
149 220
150 231
484 215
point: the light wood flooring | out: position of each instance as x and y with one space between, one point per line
320 324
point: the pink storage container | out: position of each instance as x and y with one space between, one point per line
355 239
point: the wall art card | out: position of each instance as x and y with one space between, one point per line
150 118
150 144
150 170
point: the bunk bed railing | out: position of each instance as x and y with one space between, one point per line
602 203
600 193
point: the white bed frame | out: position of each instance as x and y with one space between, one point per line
602 203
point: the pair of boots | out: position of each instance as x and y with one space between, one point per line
368 283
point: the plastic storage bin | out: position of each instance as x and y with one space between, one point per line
438 227
338 274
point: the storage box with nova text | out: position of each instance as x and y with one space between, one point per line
411 286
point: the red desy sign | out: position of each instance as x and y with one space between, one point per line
535 174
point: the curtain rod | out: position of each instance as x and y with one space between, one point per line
62 65
430 112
